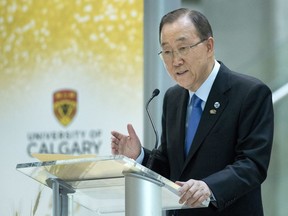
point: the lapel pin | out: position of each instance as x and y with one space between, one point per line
216 105
213 111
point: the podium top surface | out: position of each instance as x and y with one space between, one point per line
99 180
78 172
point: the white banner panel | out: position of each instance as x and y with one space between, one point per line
70 72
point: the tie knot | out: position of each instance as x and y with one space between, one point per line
196 101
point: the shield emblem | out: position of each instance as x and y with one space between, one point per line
65 105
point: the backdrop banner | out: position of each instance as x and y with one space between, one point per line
70 73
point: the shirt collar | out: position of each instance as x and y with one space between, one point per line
205 88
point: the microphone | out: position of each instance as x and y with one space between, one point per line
156 161
154 94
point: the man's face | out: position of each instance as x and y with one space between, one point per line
188 66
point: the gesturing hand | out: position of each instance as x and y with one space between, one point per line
129 146
193 192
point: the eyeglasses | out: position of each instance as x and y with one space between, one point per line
167 55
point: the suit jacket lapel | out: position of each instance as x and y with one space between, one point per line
210 113
181 119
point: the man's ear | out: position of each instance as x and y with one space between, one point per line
210 45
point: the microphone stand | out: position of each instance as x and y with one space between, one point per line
156 161
154 94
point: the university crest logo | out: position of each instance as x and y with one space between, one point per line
65 105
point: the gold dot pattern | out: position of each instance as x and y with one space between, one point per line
104 35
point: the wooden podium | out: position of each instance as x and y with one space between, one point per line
110 185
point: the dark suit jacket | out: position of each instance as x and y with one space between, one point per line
231 149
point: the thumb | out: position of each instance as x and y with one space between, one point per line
131 132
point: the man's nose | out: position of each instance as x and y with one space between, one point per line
176 58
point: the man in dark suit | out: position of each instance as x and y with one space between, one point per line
230 152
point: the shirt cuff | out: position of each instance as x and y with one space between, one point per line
212 197
140 157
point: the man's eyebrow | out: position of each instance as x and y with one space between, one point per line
181 39
163 44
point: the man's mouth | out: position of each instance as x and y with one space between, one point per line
181 72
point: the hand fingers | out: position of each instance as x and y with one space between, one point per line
187 190
114 146
118 142
115 140
114 151
129 146
184 186
116 135
194 193
197 198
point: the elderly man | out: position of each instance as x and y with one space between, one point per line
217 125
